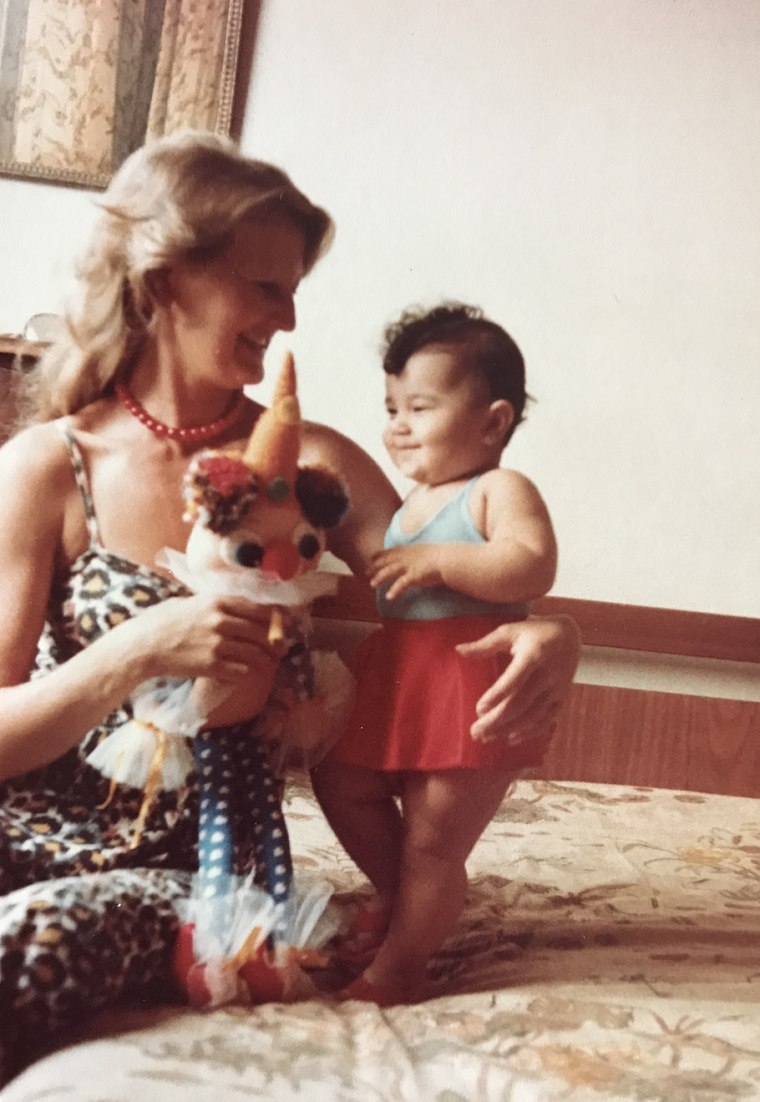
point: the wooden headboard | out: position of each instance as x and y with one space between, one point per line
631 736
15 353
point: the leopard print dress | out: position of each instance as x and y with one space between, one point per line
86 916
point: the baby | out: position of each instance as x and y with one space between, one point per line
469 548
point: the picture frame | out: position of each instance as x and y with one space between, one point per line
83 84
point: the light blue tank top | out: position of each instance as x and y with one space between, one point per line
451 524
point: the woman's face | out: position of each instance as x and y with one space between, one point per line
220 314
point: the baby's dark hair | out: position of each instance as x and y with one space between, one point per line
491 350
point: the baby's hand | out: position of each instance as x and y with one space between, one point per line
403 567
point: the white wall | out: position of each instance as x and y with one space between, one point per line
588 172
42 228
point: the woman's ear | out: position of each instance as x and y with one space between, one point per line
501 418
158 286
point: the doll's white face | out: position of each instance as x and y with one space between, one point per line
274 539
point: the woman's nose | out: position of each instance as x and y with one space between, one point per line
286 314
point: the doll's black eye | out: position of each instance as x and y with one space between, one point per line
248 553
308 546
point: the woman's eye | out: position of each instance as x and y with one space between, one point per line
247 553
265 286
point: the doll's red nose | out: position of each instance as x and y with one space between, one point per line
282 560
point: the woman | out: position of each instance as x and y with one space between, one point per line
192 269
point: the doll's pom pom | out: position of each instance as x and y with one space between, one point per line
321 495
225 473
219 489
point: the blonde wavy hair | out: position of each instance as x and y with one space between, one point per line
181 196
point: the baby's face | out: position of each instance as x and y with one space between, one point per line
438 418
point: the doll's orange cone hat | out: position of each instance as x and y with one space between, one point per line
274 444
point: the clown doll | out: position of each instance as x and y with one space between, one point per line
259 525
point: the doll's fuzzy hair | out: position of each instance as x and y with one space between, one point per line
219 491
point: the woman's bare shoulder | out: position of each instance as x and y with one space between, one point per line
372 498
39 483
36 457
330 448
322 444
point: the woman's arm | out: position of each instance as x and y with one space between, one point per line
41 719
372 499
517 561
540 659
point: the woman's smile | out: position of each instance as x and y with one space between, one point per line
225 311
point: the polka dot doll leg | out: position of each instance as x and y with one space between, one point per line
241 825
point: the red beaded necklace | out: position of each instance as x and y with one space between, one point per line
193 433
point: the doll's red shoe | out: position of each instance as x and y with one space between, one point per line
265 980
188 974
367 933
203 984
183 957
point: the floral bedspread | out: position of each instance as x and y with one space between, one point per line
610 950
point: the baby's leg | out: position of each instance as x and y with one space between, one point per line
359 806
445 813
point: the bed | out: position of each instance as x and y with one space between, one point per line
610 946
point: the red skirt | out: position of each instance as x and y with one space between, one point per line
416 701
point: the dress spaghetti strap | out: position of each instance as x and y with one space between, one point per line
83 482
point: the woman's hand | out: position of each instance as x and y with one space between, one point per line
541 656
220 642
224 638
189 637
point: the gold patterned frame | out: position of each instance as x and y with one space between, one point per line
84 83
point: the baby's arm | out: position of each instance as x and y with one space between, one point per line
517 562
